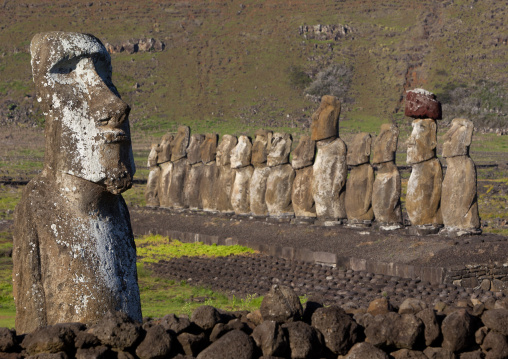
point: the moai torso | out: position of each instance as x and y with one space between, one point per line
358 199
280 179
301 195
240 163
207 185
74 257
226 175
257 187
387 187
193 176
153 182
459 198
165 165
175 197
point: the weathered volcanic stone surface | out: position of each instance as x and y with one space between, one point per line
165 148
421 145
180 143
458 330
153 155
73 250
279 185
175 192
158 343
152 187
303 155
392 330
226 145
209 148
191 186
166 169
385 144
358 151
270 337
233 345
261 147
257 190
423 198
279 150
422 104
240 199
207 187
325 119
304 341
194 149
329 179
459 198
301 195
281 305
226 175
365 350
386 192
359 187
241 153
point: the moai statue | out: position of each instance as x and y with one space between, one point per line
240 162
387 188
165 165
280 179
179 166
459 200
301 195
207 185
74 257
191 196
152 184
330 166
257 189
226 175
423 199
360 182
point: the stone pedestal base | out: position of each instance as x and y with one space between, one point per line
423 230
303 220
390 226
455 232
329 222
280 219
359 224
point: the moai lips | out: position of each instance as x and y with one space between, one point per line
73 249
421 145
325 119
422 104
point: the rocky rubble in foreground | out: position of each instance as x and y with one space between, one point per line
281 328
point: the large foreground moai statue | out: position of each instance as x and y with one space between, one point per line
387 187
280 179
360 182
207 185
459 201
301 195
423 199
330 167
240 163
174 197
165 165
257 190
226 175
152 184
73 251
191 196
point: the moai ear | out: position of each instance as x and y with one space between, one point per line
395 138
368 145
433 135
469 134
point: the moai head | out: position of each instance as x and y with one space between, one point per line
385 144
180 143
279 149
209 148
87 126
194 149
325 119
303 155
458 138
226 145
422 104
165 148
241 154
261 147
153 155
421 146
358 151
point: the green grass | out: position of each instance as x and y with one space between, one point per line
7 307
9 198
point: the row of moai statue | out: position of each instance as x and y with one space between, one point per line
237 176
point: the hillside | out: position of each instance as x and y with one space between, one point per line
234 66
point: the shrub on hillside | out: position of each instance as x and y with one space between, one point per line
334 80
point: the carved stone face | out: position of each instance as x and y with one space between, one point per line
153 155
180 143
209 148
194 149
421 146
279 149
227 143
261 146
458 138
325 119
358 152
165 150
385 144
87 127
241 154
303 155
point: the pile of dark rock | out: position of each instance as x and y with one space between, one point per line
136 45
280 328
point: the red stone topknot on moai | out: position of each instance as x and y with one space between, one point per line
422 104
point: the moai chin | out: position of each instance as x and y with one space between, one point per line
174 186
360 182
193 176
73 251
226 175
257 189
207 185
459 201
153 183
387 185
240 163
165 165
330 167
301 194
280 179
